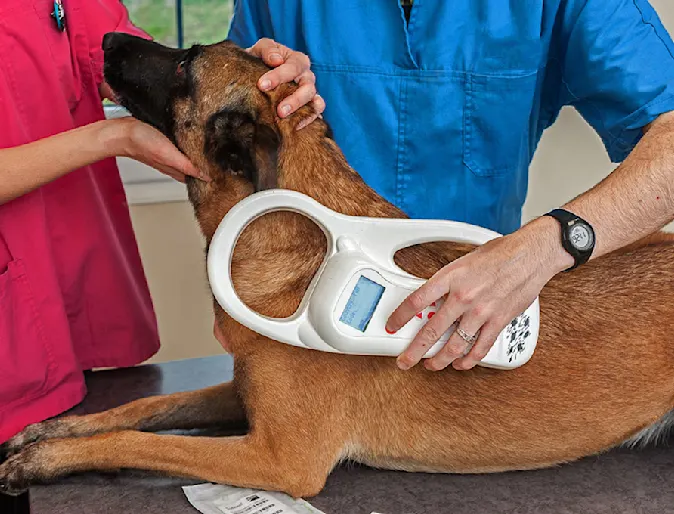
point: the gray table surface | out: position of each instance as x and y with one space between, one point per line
621 481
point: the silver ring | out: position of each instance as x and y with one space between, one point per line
470 339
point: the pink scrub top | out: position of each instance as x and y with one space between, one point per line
73 294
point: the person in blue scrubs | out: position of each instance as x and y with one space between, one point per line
440 106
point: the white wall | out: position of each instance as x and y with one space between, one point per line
570 160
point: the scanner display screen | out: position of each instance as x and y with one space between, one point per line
362 303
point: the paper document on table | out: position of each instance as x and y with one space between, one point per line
224 499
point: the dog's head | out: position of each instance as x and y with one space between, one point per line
206 100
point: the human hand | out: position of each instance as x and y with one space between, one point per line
289 66
106 92
139 141
486 289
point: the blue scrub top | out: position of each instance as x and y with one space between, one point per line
442 116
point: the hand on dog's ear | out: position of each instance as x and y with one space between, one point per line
236 142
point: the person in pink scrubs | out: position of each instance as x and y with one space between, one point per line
73 294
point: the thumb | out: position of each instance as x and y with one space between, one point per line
186 167
180 163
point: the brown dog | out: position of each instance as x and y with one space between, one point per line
602 374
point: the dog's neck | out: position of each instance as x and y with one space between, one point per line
311 162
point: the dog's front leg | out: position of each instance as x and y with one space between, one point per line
246 461
212 406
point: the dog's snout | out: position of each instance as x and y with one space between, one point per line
114 41
109 41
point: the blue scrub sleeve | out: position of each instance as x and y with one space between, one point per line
618 69
249 23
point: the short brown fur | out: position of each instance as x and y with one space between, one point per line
603 370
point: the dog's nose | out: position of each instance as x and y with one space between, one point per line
109 41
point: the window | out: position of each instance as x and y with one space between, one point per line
182 23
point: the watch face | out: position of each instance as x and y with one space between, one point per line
581 237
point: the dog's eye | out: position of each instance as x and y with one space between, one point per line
181 67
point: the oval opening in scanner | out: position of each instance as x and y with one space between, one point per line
424 260
274 261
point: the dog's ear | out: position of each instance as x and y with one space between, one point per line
267 142
236 142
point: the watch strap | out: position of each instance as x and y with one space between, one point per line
563 216
568 219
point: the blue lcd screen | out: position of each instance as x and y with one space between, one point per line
362 303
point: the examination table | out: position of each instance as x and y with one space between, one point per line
620 481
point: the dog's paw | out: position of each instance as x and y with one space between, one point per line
51 429
30 434
17 472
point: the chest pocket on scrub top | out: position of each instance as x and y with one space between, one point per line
497 115
39 60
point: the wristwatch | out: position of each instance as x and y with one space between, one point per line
577 236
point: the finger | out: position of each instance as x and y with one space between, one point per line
429 334
172 170
171 173
178 163
306 122
107 92
417 302
456 347
306 77
275 56
178 170
266 49
488 334
318 104
295 64
299 98
189 170
192 171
